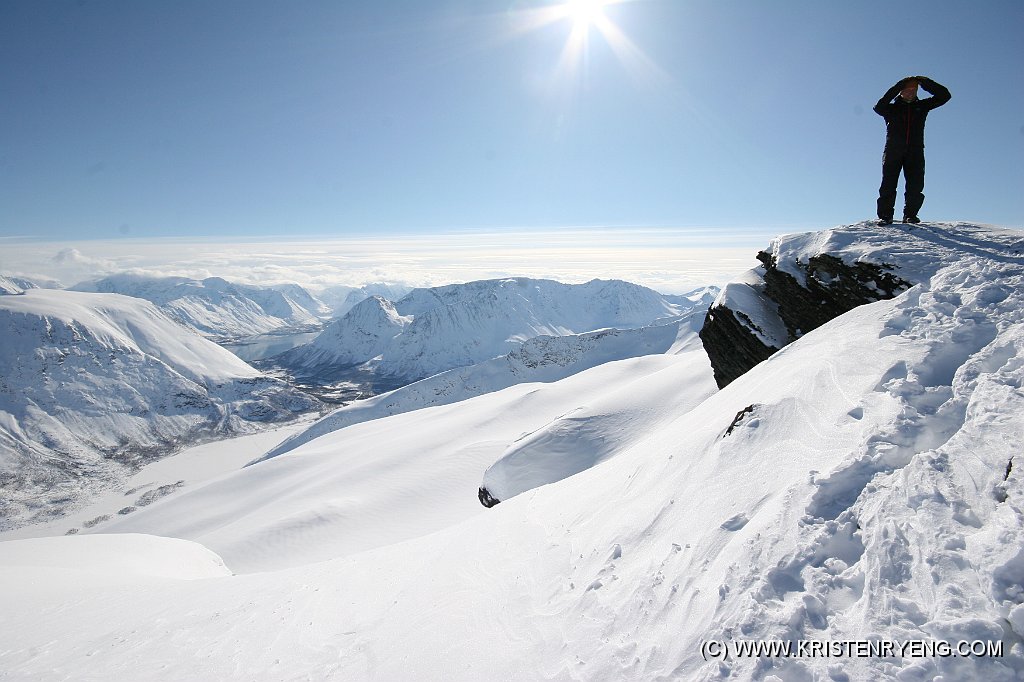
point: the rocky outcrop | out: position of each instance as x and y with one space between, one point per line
802 296
731 345
830 288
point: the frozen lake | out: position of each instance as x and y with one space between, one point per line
268 345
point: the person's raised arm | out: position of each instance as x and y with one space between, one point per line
939 94
888 97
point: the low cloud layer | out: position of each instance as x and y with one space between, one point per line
665 260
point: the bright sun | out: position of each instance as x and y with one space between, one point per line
585 12
586 20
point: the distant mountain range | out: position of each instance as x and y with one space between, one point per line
341 299
436 329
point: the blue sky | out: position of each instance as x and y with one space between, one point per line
332 119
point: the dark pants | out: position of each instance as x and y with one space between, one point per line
911 162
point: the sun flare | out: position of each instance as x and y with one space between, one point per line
589 26
585 12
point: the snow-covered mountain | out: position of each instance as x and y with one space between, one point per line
861 484
365 332
436 329
219 309
92 385
15 285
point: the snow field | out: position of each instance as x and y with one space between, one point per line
390 479
863 482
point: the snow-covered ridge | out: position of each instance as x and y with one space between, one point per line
217 308
365 332
433 330
806 279
542 358
93 384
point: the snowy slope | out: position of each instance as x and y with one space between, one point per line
600 428
114 559
433 330
219 309
863 482
542 358
92 384
390 479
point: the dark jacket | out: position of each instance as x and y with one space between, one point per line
904 121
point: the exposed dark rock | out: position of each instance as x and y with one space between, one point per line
830 288
485 497
730 345
749 409
99 519
151 496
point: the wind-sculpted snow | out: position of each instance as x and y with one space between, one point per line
542 358
433 330
219 309
92 385
385 480
112 558
916 531
598 429
862 483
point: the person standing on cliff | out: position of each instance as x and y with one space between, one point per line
904 116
